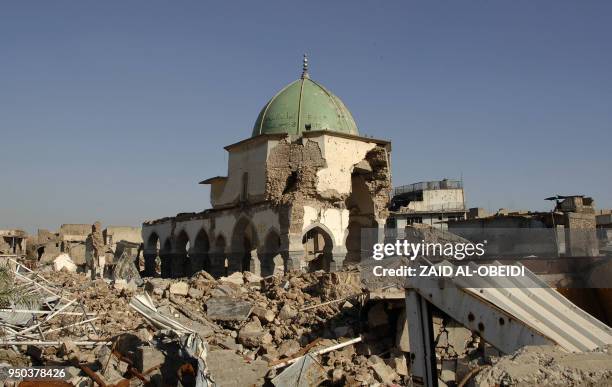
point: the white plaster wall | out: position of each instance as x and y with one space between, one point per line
161 229
124 233
192 228
250 158
438 200
264 221
340 154
224 225
336 220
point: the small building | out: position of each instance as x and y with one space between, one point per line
433 203
13 242
568 230
123 238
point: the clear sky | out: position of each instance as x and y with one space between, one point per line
114 110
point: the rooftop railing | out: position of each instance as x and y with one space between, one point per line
428 185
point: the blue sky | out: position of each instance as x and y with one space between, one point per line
114 110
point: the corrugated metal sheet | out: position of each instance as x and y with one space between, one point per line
531 301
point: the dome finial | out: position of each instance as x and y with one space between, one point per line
305 67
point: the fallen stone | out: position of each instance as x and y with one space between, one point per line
305 372
156 285
179 288
195 293
235 278
288 348
264 314
228 309
250 335
232 370
399 364
384 373
224 290
251 277
287 312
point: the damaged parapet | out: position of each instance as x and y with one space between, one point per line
296 196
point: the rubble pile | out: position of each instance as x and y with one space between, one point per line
258 325
299 329
550 366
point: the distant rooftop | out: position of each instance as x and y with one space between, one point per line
428 185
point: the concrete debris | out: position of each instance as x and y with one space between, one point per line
179 288
550 366
227 309
295 329
305 372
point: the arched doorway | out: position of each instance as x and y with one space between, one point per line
244 245
199 254
218 257
180 260
318 247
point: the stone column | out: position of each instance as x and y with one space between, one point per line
255 263
337 259
294 260
293 253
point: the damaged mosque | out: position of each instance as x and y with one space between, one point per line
296 195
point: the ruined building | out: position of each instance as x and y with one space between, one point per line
433 203
296 195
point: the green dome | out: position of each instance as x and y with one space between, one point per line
302 106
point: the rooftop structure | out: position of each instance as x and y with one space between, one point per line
429 202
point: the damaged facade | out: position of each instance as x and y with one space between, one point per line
433 203
13 242
296 195
71 239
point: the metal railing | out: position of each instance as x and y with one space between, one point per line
428 185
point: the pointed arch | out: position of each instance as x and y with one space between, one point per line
199 254
244 241
318 245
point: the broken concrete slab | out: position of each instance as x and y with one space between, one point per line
305 372
264 314
251 333
179 288
384 373
230 369
235 278
228 309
